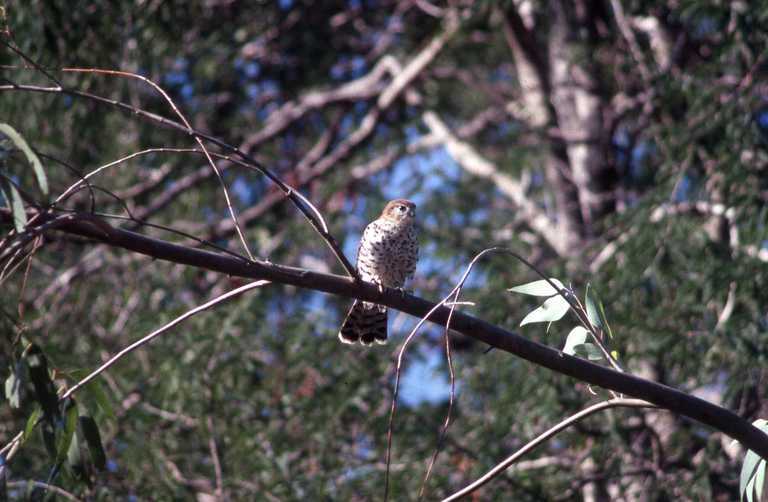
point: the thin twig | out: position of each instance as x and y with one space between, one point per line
215 458
184 120
398 366
451 395
31 62
148 338
248 160
45 486
541 438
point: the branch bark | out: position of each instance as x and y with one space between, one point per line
663 396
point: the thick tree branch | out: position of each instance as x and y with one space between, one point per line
661 395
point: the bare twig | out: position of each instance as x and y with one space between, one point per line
198 139
21 485
503 465
215 458
148 338
248 160
393 408
451 395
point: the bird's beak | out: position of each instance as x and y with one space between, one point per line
412 213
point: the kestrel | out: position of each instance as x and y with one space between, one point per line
387 256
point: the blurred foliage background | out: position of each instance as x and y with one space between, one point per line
617 143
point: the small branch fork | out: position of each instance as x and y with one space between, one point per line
307 209
455 292
575 304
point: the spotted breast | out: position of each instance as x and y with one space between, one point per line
387 256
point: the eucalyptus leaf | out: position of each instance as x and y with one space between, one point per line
537 288
577 336
551 310
65 436
13 390
604 319
748 471
15 203
589 350
95 390
31 423
592 310
41 380
74 454
93 439
32 157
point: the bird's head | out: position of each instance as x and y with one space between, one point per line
400 210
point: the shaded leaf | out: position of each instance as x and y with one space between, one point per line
47 431
41 380
93 439
13 390
65 436
75 456
604 319
32 157
589 350
577 336
551 310
95 390
537 288
31 422
15 204
592 310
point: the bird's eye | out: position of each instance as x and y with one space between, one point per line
402 209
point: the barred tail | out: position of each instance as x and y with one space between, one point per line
366 323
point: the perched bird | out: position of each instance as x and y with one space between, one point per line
387 256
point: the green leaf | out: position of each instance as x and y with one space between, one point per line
577 336
48 432
74 455
31 423
752 477
592 311
64 439
589 350
15 204
761 424
95 390
604 319
41 380
93 439
551 310
537 288
13 386
748 472
32 157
